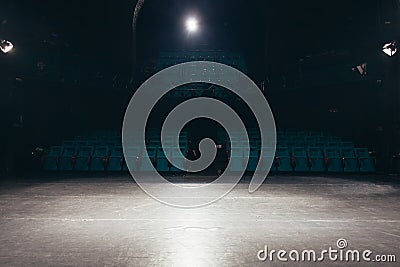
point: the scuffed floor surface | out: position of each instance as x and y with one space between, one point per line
109 221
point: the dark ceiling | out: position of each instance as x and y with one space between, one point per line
273 35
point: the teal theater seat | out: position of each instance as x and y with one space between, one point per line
79 144
236 163
100 158
316 159
253 160
162 163
335 139
366 162
68 143
350 163
283 159
237 160
320 144
116 160
175 156
146 165
83 158
300 159
333 144
333 160
51 160
67 158
132 156
263 160
347 145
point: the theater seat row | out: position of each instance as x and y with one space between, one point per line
105 153
310 159
104 159
302 152
313 159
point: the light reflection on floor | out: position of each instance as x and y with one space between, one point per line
112 222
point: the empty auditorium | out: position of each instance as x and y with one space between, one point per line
200 133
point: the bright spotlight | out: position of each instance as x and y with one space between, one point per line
192 25
390 48
6 46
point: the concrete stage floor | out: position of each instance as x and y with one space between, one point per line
109 221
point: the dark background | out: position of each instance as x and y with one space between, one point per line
71 70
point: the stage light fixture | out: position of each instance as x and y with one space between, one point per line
390 49
192 25
6 46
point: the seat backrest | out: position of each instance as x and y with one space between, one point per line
69 151
320 144
151 137
169 138
332 152
315 152
236 144
154 143
290 144
159 151
183 135
302 133
132 152
333 144
152 151
348 153
301 144
253 153
362 152
81 143
183 143
282 152
92 141
95 143
176 153
117 151
255 144
299 152
55 151
100 151
310 139
323 139
347 145
268 151
281 143
291 132
85 151
111 143
244 144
